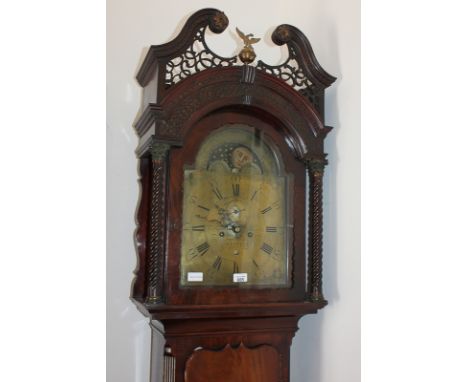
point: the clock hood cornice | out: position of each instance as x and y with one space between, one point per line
214 90
167 64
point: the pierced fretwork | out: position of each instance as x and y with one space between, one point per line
196 58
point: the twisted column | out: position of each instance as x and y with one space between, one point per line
315 168
157 223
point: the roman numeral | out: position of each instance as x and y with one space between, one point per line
235 189
236 268
198 228
203 248
192 254
255 263
266 248
271 229
217 193
217 263
275 205
264 211
203 208
253 195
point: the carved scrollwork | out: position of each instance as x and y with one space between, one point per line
188 53
289 71
196 58
301 69
218 22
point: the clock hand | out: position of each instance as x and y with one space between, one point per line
223 216
214 215
211 217
236 211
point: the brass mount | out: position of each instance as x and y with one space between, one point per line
247 54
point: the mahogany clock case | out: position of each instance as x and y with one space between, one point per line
188 95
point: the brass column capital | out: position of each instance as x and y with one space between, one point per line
159 150
315 164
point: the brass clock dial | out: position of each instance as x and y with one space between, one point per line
235 225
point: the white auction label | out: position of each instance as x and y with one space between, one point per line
239 277
195 276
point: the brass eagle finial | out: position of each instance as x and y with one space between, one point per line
247 54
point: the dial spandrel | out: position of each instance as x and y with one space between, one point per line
235 226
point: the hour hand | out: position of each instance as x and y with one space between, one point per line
216 214
212 215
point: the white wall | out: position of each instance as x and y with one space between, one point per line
327 346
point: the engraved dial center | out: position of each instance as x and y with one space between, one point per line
234 213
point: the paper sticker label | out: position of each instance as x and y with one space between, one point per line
239 277
195 276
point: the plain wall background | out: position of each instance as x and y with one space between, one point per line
327 345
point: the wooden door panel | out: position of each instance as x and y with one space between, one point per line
241 364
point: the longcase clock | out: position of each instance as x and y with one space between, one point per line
227 149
